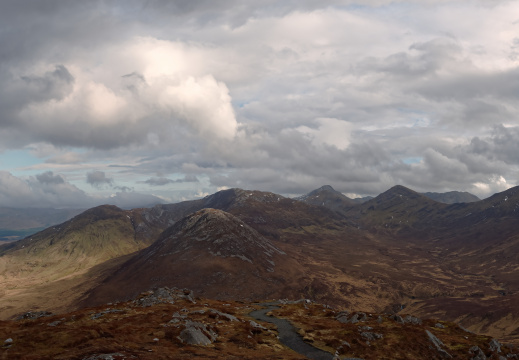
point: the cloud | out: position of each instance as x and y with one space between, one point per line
44 190
49 178
131 200
161 181
161 92
49 190
53 85
275 96
98 179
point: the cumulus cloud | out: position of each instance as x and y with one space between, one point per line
275 96
160 92
53 190
44 190
49 178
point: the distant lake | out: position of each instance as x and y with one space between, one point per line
7 235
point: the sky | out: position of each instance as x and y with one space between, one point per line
137 102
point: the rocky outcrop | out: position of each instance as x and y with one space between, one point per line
196 333
224 315
112 356
357 317
398 319
31 315
477 353
163 295
412 320
438 344
8 343
495 346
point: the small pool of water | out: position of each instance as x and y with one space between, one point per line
288 334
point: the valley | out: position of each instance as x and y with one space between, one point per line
398 253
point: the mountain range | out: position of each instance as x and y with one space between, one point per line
400 252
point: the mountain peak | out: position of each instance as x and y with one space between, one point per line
219 233
325 188
210 250
328 197
226 199
399 191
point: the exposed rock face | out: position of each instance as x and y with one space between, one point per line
8 343
163 295
197 333
357 317
438 344
412 320
224 315
33 315
370 336
342 317
495 346
478 353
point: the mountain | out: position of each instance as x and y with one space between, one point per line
328 197
474 246
398 252
398 210
403 211
61 257
452 197
266 212
214 253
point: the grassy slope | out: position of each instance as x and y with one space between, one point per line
61 255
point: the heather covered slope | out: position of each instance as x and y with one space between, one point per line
177 324
398 250
452 197
266 212
214 253
471 249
